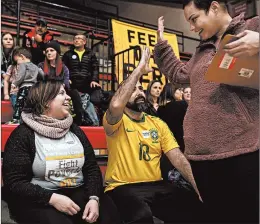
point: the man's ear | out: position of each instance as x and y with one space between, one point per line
214 7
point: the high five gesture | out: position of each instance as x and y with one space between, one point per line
160 29
126 89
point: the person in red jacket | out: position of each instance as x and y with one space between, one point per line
221 126
35 40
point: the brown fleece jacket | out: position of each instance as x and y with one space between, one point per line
222 120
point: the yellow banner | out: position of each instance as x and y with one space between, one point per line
128 35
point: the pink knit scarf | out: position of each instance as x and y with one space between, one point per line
48 126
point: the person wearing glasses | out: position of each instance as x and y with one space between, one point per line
84 70
83 65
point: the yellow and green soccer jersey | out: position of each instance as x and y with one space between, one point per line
135 148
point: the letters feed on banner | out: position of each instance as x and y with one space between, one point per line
127 36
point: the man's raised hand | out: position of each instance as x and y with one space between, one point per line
144 62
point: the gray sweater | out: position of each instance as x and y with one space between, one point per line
27 74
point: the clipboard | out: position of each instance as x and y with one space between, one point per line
233 71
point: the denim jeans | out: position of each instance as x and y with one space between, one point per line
13 99
88 107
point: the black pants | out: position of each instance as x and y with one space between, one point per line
20 101
229 188
32 213
138 203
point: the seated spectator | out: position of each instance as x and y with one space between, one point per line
52 66
187 94
9 76
27 75
84 70
7 50
6 59
153 92
178 94
172 112
35 40
167 95
135 144
49 167
83 66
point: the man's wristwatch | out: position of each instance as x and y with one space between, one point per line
96 198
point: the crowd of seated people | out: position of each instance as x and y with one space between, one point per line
78 69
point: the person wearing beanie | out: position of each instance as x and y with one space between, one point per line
52 66
36 39
54 69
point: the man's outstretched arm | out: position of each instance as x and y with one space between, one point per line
126 88
180 162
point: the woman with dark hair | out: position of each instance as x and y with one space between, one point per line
153 92
6 59
7 48
172 112
55 69
52 66
10 75
54 177
221 127
166 94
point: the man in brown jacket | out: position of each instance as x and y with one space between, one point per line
221 126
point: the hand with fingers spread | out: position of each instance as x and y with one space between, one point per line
91 212
160 29
144 62
246 45
64 204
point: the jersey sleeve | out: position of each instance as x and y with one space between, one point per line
111 129
168 140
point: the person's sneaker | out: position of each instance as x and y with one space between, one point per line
13 121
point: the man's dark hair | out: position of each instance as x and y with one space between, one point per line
204 4
22 51
40 95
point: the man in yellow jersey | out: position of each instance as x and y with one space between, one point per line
84 72
135 143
